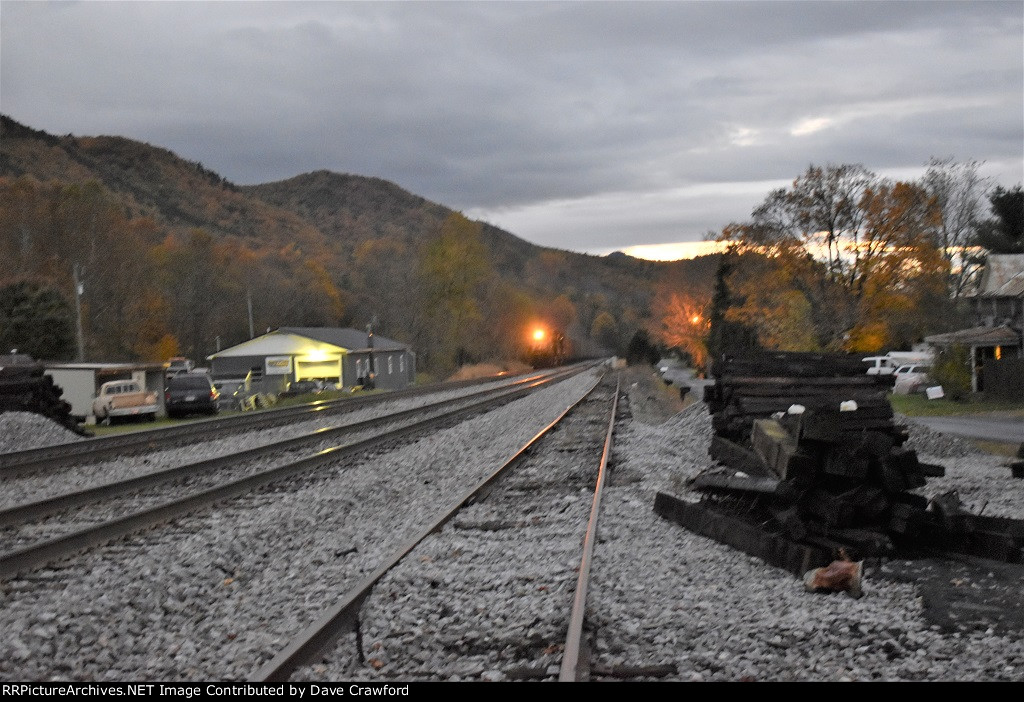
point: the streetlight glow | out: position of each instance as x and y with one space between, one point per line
538 334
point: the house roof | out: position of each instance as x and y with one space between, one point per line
346 337
289 341
106 367
977 336
1003 276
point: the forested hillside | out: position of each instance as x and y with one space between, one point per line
169 254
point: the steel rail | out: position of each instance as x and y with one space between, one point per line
150 439
40 508
576 654
342 616
21 560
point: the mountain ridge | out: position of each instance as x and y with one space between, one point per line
347 222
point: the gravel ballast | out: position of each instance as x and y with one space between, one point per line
217 594
20 431
663 595
488 596
38 485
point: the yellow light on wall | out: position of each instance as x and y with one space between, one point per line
316 355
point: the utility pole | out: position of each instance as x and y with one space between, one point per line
77 273
248 299
369 344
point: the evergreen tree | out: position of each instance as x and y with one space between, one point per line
37 320
1004 233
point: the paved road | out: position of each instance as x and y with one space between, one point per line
1006 429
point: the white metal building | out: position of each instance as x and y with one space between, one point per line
341 355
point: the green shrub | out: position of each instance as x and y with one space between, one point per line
952 370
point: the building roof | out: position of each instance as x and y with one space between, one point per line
291 341
106 367
346 337
1003 276
977 336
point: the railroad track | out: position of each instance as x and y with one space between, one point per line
42 531
91 450
535 499
211 594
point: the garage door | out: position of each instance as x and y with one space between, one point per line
318 369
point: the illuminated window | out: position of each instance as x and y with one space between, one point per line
391 368
999 352
401 363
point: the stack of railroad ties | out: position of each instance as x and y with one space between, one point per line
24 387
814 472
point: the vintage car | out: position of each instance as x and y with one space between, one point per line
124 398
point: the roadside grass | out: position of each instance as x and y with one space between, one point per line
996 448
920 406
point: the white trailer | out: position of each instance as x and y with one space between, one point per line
81 382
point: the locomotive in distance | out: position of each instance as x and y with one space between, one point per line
547 347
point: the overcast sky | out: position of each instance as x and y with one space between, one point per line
588 126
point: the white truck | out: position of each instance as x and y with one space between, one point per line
124 398
887 364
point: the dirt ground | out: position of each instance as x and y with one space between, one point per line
650 400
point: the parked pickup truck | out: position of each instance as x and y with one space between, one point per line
124 398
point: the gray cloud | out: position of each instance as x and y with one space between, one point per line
578 125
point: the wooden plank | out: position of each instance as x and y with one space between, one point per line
772 443
736 483
774 549
791 381
831 509
737 457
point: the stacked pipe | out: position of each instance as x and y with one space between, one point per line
24 387
811 438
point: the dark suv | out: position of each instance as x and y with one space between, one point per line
190 393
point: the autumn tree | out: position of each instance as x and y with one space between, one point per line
385 285
821 212
900 268
773 303
192 279
959 191
840 261
59 233
605 332
454 266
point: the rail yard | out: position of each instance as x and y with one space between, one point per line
499 529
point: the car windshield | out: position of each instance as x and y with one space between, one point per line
189 383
